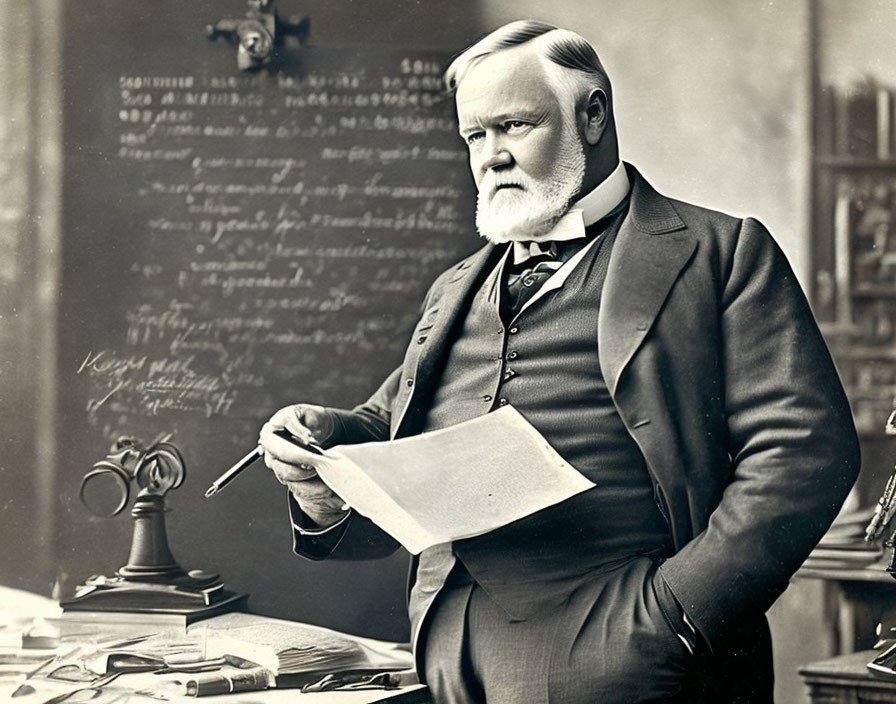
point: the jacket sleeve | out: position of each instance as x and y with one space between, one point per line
356 537
791 442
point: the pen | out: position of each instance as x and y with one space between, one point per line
250 458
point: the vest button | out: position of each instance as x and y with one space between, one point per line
514 330
509 374
512 354
487 398
502 402
409 382
421 340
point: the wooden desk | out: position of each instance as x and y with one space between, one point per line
846 680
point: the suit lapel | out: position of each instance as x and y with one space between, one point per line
652 247
424 360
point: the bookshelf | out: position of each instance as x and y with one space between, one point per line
854 239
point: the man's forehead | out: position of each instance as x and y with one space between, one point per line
514 77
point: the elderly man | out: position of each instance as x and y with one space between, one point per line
665 350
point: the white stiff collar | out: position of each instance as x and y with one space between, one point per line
594 205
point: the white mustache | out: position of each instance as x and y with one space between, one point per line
494 180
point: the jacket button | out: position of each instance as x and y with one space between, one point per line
409 382
512 355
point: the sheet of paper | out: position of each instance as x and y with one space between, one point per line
455 483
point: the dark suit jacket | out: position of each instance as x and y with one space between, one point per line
718 371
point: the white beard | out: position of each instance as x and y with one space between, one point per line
512 214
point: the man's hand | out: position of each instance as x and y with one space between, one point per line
297 467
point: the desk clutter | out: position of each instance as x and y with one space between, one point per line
45 660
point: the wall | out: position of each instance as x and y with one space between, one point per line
853 45
30 178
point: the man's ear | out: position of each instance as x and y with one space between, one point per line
597 115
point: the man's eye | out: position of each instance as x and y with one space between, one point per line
514 125
474 137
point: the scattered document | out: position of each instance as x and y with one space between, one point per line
455 483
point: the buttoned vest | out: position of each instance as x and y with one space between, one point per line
545 363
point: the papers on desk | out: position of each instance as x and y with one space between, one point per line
460 482
288 648
235 652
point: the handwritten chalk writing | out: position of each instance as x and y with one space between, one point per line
166 225
420 66
432 83
370 155
147 82
214 99
336 303
108 363
129 99
173 131
314 81
235 265
433 154
212 207
154 154
160 116
401 99
93 405
282 226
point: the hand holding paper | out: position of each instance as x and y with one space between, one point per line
454 483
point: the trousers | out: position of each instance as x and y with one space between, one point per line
608 641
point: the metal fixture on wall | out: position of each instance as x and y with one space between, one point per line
259 34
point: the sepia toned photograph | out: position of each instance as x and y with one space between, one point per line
490 352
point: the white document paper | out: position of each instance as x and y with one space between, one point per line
454 483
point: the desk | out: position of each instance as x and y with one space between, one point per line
846 680
18 607
860 600
409 695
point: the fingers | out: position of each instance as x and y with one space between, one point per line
309 423
286 450
288 473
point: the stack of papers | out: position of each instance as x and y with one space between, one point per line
286 647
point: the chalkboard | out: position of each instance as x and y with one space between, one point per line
236 242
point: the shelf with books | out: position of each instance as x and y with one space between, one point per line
854 163
855 122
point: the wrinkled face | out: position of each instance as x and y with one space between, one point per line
526 155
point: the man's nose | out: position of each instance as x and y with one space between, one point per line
494 153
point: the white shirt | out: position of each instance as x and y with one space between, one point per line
593 206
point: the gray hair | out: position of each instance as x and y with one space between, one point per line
561 47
